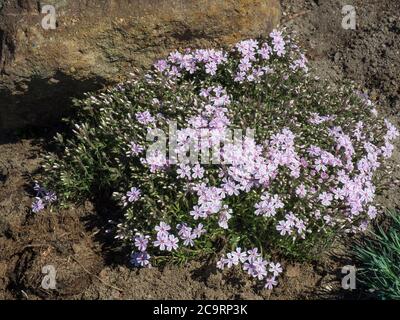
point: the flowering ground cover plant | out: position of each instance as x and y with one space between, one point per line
165 146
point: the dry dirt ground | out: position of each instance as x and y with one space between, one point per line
75 241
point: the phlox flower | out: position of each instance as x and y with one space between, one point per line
161 65
163 229
198 172
245 65
141 242
284 227
249 267
291 219
140 259
162 241
301 191
247 47
133 195
205 92
172 243
37 205
328 219
372 212
269 205
221 263
188 238
210 200
300 63
317 214
199 230
211 68
183 229
198 213
253 254
387 150
301 227
320 166
314 151
343 141
239 255
265 51
392 132
326 198
173 72
260 270
231 188
175 57
156 161
240 77
275 268
278 42
134 149
145 118
184 172
271 283
231 260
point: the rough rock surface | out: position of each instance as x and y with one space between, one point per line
97 41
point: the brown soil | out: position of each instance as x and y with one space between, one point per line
74 241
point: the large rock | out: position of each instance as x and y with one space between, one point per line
97 42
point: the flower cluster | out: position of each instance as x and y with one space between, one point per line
306 171
207 60
43 198
164 240
253 264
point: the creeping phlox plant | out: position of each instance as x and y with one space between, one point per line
304 172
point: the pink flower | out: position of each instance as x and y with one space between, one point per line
141 242
231 260
135 149
372 212
278 42
326 199
172 243
184 171
161 65
162 241
221 263
271 283
198 172
133 195
198 213
239 255
276 269
301 191
144 118
163 228
284 228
